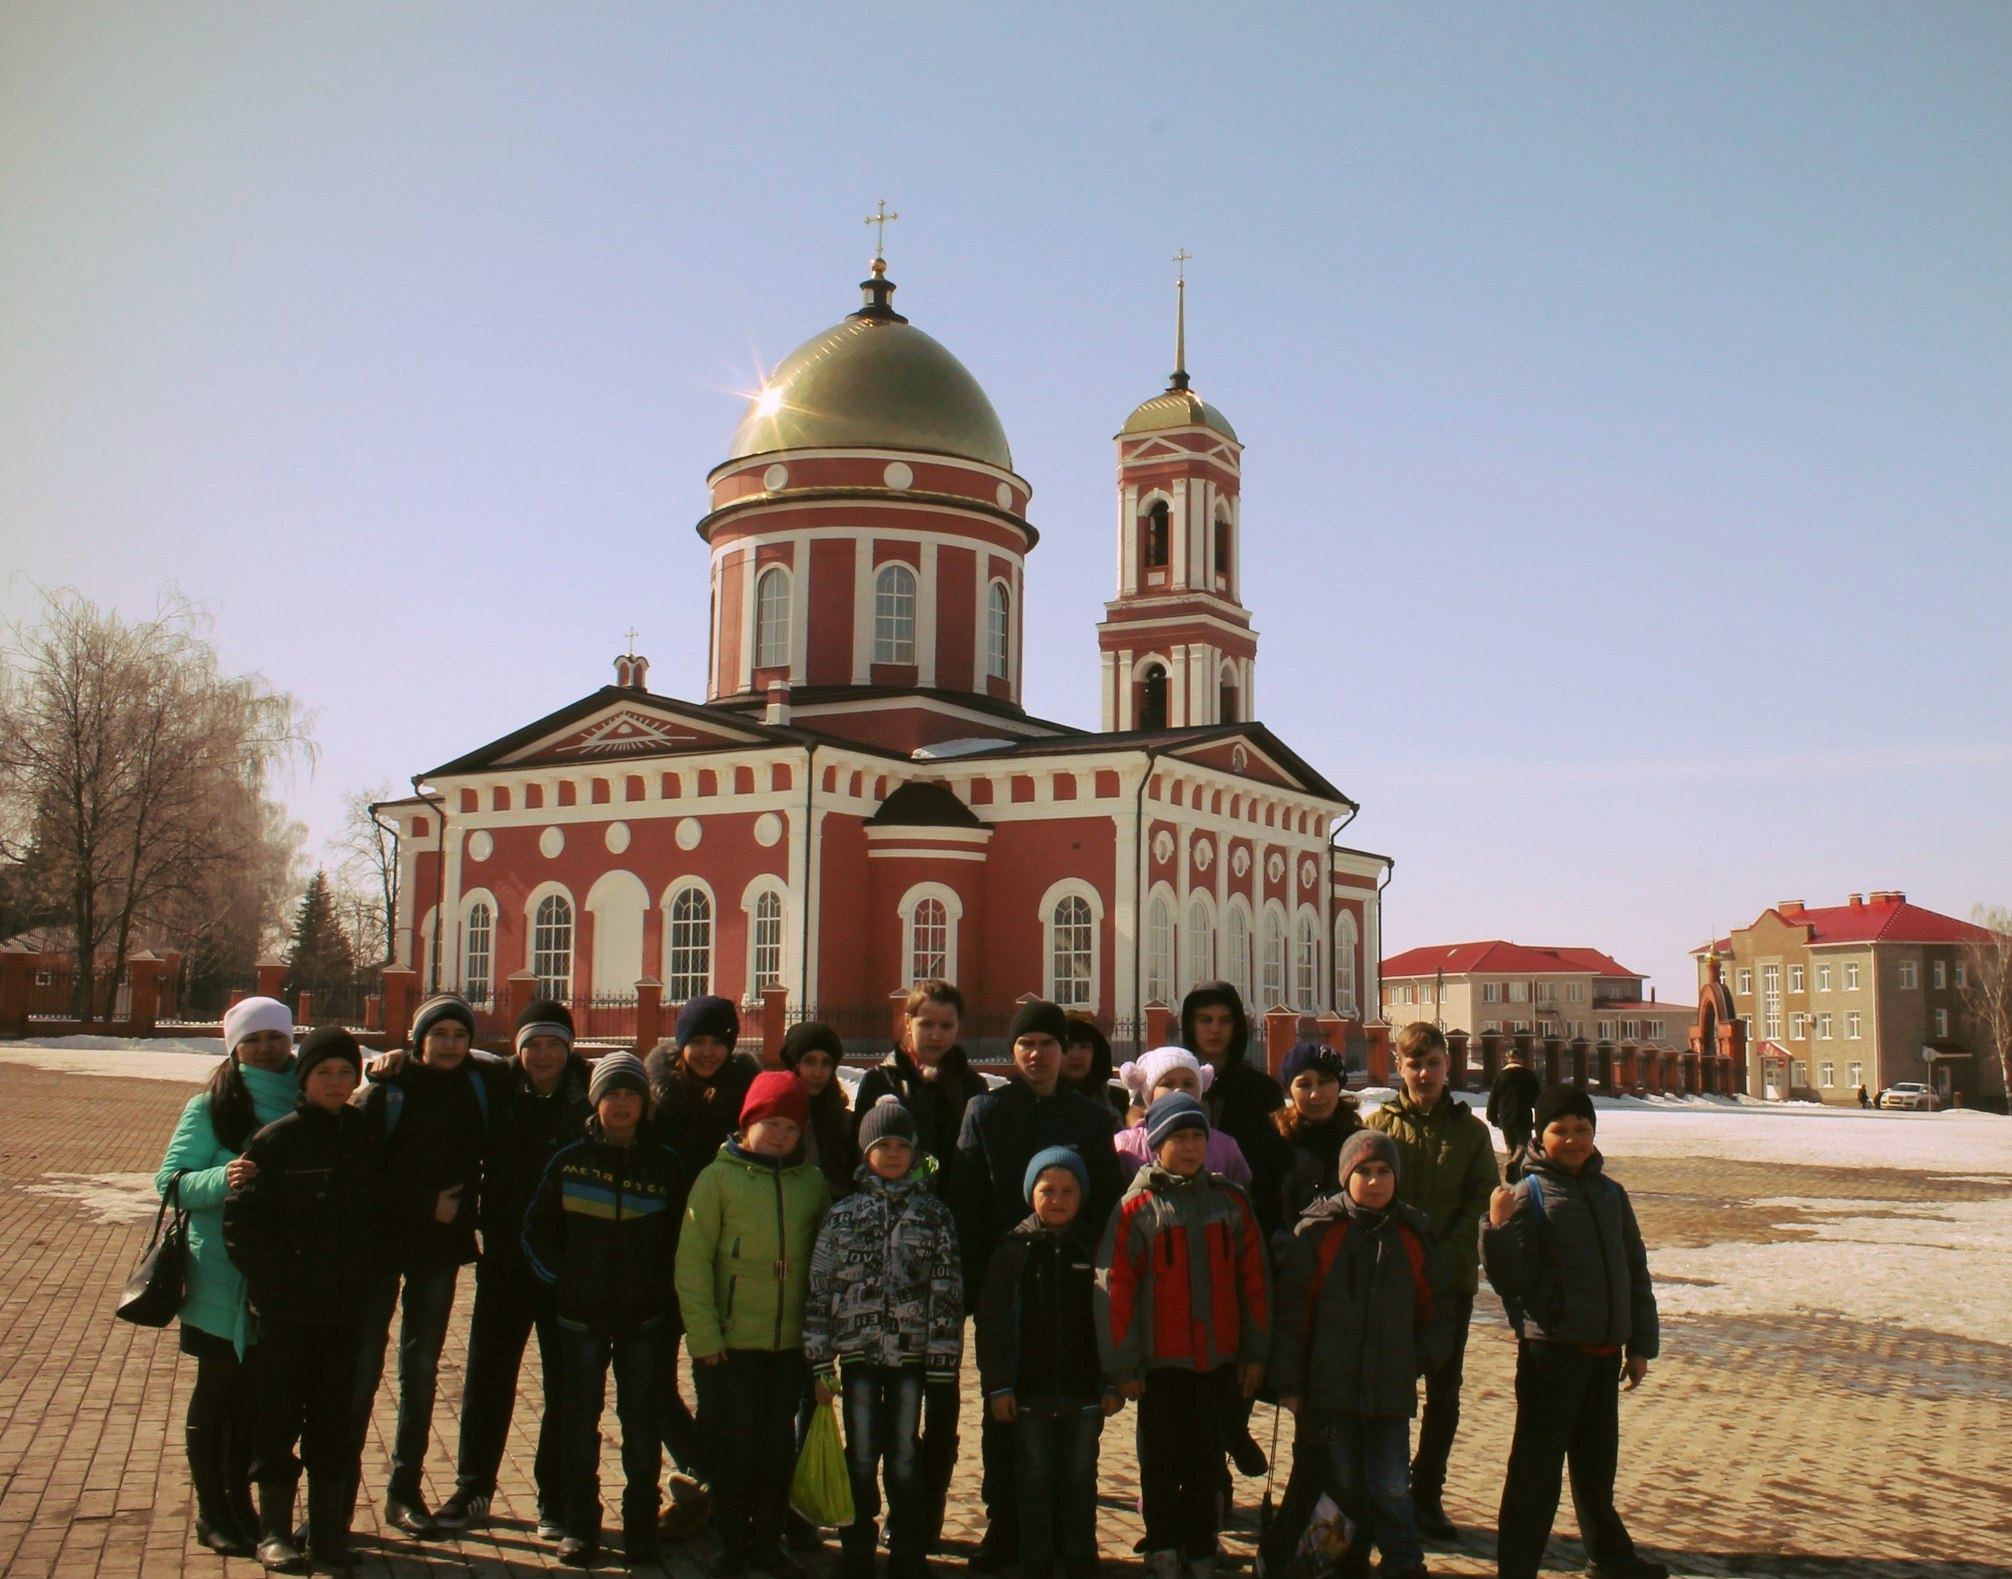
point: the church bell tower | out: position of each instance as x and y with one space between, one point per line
1177 646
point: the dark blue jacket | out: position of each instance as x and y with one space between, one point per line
603 1231
525 1134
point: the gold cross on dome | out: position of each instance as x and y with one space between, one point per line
632 633
1181 261
879 221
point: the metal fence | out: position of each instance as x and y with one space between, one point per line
608 1018
52 995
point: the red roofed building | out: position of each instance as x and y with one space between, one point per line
1867 993
862 797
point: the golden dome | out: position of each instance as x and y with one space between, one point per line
1178 408
873 382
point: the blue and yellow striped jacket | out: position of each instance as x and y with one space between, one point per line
603 1230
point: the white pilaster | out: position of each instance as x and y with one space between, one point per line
1128 540
862 611
926 592
1108 662
799 611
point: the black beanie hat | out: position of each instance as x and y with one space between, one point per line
323 1043
1564 1100
813 1036
706 1015
1038 1019
544 1017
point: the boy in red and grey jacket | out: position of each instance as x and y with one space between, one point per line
1183 1320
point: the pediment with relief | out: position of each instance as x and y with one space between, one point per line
626 731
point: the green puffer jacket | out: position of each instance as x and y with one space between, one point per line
1446 1169
213 1296
743 1265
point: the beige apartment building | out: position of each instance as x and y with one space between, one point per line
1867 993
1499 987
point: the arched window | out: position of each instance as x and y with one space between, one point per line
1073 952
1159 951
1345 940
929 943
1201 944
772 619
894 615
1271 985
1156 536
478 954
552 947
1306 966
691 945
1237 952
767 926
1227 695
1153 698
998 630
1222 545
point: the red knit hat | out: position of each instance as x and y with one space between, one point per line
776 1093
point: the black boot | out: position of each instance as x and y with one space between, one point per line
238 1448
276 1548
216 1525
328 1505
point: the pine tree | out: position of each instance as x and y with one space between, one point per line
319 957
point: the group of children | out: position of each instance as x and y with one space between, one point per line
1183 1244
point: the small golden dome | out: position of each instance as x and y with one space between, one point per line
1178 408
873 382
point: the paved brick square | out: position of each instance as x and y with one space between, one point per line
1806 1446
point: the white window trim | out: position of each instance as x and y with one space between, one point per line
953 913
767 883
762 628
1162 894
469 900
1190 934
884 573
712 933
532 901
1055 894
1347 939
995 588
1240 908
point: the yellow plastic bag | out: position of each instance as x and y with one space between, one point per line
821 1488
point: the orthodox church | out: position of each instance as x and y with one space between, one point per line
862 799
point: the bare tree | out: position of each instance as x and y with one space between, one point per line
1987 984
136 777
365 875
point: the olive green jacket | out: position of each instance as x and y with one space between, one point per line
1446 1169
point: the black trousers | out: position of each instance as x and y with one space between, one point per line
1517 1139
1441 1421
751 1400
1567 1412
1181 1456
510 1304
305 1375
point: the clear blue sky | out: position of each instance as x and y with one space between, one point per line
1627 390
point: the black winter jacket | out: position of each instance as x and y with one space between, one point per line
435 1141
938 1102
301 1229
1316 1158
1003 1130
1365 1307
694 1117
603 1231
526 1132
1570 1264
1512 1102
1241 1101
1037 1318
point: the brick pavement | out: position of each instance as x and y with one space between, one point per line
1808 1449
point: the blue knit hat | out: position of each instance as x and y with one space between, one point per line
1170 1115
1316 1056
708 1016
1056 1157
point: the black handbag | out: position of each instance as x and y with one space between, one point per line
153 1294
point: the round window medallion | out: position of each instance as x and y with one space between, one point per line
551 842
767 829
776 478
1205 855
1240 863
1274 868
618 837
899 474
481 845
1005 496
689 833
1163 846
1307 873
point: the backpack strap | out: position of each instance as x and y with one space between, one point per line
394 1108
481 1094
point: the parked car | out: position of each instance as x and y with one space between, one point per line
1912 1096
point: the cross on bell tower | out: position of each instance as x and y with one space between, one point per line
1176 643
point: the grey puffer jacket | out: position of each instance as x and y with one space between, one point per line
1365 1307
1570 1264
886 1282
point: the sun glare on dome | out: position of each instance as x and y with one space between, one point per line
769 401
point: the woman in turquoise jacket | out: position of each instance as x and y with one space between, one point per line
253 1086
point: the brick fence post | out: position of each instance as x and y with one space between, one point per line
171 985
401 986
145 972
1278 1034
774 1020
649 1014
271 977
1378 1038
897 1008
17 978
1157 1016
523 987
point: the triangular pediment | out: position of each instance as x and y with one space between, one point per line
1244 757
615 725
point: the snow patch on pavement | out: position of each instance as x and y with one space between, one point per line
188 1062
115 1198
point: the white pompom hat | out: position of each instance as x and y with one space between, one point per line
1142 1074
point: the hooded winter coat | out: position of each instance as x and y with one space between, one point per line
938 1102
1364 1310
213 1290
1512 1102
1182 1278
1242 1099
1037 1318
1003 1130
430 1128
694 1116
602 1230
1570 1264
302 1229
886 1285
1447 1169
744 1256
526 1133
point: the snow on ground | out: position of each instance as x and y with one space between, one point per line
107 1197
188 1061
